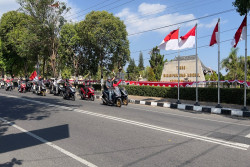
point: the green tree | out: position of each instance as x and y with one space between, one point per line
243 6
69 50
156 62
132 70
231 65
46 22
104 39
17 43
151 75
141 62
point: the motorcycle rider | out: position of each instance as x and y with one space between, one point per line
108 86
67 86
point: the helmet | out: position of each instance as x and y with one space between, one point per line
115 81
108 78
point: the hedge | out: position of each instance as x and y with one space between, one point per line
228 95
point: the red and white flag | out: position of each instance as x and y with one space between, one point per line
188 40
33 76
241 33
170 42
214 38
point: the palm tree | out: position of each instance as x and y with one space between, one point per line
231 64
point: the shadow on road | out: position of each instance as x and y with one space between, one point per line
13 162
18 141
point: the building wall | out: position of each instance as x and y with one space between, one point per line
187 71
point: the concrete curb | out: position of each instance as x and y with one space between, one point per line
205 109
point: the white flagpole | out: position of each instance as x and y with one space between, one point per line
196 103
218 41
178 101
245 82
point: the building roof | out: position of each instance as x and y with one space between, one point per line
192 57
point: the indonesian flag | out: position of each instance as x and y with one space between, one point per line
33 76
241 33
170 42
214 37
55 5
188 40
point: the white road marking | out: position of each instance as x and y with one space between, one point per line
248 136
83 161
212 120
158 128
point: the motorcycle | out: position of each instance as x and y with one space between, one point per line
115 98
9 86
41 89
22 88
87 92
69 93
29 86
2 84
34 87
124 96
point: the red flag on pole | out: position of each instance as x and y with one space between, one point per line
214 35
33 75
188 40
170 42
241 33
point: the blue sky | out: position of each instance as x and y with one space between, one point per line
142 15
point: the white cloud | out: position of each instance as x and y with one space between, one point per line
146 8
135 23
8 5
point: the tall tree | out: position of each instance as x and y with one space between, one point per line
243 6
132 70
17 43
156 62
141 62
231 64
105 37
69 50
46 23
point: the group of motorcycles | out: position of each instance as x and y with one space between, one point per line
119 95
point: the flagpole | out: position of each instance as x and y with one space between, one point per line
178 101
218 41
245 82
196 103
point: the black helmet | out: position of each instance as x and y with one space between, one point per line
115 81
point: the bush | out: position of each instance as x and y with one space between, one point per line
228 95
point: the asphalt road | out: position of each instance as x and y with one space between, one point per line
49 131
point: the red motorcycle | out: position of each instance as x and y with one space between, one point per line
87 92
22 88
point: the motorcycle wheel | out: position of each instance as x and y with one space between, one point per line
73 98
125 101
92 98
61 94
64 96
118 102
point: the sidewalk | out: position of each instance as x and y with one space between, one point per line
208 107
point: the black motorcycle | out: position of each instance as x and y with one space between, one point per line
57 89
115 97
124 96
28 86
69 93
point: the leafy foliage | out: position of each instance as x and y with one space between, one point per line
243 6
141 62
156 62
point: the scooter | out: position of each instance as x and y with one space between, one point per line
87 92
69 93
22 88
28 86
115 98
34 87
41 90
9 86
124 96
2 84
